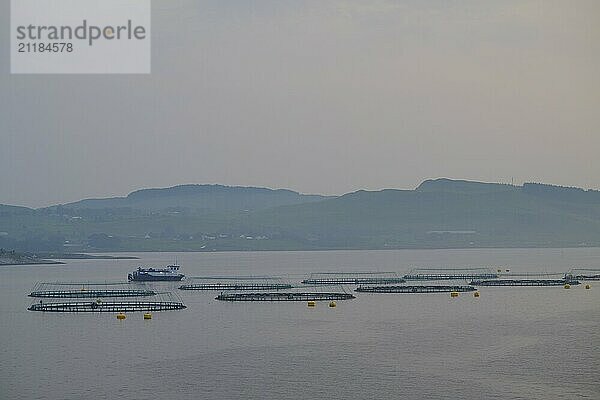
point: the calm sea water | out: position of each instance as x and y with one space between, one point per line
511 343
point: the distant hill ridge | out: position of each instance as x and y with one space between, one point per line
456 185
200 197
439 213
195 189
564 193
188 195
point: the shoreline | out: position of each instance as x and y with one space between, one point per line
49 258
44 262
128 251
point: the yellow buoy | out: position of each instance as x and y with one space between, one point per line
476 294
453 294
312 303
332 304
567 286
147 315
121 316
588 286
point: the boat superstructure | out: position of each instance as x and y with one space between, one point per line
169 273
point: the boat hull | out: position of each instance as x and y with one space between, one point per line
154 278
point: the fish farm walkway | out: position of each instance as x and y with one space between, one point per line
436 274
584 274
351 281
448 276
106 306
587 277
352 278
524 282
235 286
80 294
415 289
289 296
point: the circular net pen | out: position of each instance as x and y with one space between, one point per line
353 278
439 274
524 282
235 283
86 290
584 274
304 293
158 302
415 289
531 278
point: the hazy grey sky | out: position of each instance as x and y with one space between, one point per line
317 96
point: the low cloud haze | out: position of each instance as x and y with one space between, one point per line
317 96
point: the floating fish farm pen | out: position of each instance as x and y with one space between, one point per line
436 274
158 302
228 283
415 289
319 293
353 278
583 274
536 275
74 290
524 282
